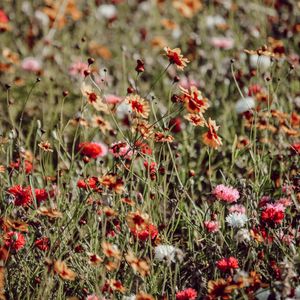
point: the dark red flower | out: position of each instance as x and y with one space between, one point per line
187 294
42 243
23 195
92 150
14 240
91 182
175 125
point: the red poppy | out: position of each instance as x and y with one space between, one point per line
92 150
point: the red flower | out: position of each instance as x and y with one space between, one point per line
42 243
14 240
92 150
272 215
18 164
175 125
149 232
254 89
3 17
187 294
91 183
41 195
226 264
23 195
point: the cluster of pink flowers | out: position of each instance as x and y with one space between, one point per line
226 193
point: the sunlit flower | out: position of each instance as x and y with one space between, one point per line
94 259
139 106
112 285
210 138
244 104
175 57
161 137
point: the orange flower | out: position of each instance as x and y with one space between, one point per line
49 212
187 8
137 220
9 224
143 128
160 137
112 265
220 289
111 250
99 122
195 119
46 146
194 101
63 271
112 182
109 212
138 265
210 138
128 201
93 98
175 57
114 285
143 296
94 259
138 105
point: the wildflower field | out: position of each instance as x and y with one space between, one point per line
149 149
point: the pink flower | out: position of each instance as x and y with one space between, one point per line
237 208
121 149
284 201
31 64
77 68
211 226
187 294
187 83
222 42
112 99
93 297
228 194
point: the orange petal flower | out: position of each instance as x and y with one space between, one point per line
175 57
210 138
63 271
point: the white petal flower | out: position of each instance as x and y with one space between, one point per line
244 104
243 236
261 62
236 220
168 253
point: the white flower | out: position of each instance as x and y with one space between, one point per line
243 235
261 62
297 291
107 11
263 294
236 220
168 253
244 104
131 297
212 21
